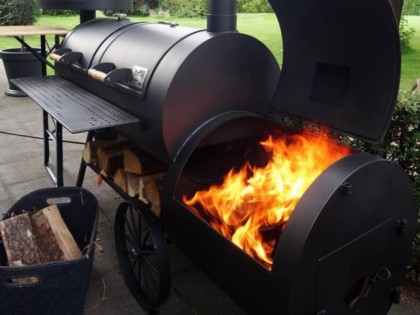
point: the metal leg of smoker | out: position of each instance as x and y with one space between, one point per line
57 136
83 165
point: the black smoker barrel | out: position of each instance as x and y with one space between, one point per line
174 79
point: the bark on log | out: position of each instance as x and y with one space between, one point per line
36 238
19 241
53 237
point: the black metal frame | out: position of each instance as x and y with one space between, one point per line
76 115
148 246
54 134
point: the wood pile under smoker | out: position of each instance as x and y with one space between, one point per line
37 237
134 171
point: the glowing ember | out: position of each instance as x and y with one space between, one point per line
252 205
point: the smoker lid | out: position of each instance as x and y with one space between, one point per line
87 37
341 64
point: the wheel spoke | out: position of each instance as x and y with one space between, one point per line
129 240
149 264
142 255
149 276
130 229
146 238
134 263
136 230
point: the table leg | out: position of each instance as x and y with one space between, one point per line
57 136
46 138
83 165
59 154
44 55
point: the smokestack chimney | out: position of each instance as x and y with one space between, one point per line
221 16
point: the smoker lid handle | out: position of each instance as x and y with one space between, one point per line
97 75
58 53
54 57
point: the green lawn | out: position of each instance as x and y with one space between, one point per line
261 26
410 65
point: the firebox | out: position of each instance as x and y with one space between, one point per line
340 249
285 220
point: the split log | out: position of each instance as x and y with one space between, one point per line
90 152
133 184
53 237
138 162
110 157
37 238
150 191
120 179
19 241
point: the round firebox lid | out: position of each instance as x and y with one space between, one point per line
341 64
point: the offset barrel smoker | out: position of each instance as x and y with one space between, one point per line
204 99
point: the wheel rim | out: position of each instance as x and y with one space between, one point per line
142 255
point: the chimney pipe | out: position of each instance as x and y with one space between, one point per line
221 16
87 15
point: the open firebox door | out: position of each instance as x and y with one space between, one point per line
287 221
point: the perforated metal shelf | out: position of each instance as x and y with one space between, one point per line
75 108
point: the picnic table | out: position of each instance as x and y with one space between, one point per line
19 32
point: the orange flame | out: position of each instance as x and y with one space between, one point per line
254 203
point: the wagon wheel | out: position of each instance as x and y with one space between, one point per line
142 254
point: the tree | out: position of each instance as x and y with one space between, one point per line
411 7
18 12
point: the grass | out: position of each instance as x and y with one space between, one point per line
410 65
262 26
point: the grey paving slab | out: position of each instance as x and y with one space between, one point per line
18 171
4 206
8 137
3 193
10 124
18 190
21 151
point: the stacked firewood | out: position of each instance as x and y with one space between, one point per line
37 237
137 173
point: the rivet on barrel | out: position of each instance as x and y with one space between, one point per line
346 189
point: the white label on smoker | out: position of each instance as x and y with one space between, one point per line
139 76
